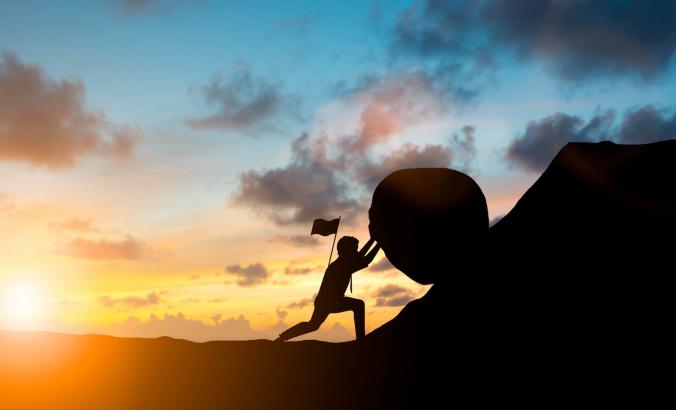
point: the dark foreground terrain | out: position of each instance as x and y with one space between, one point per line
567 300
91 371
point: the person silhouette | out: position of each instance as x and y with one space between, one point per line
331 296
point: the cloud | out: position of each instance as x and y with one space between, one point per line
440 39
281 314
393 295
371 172
241 101
239 328
130 302
542 139
317 183
123 142
333 175
216 318
128 248
304 189
302 270
382 265
576 40
313 185
388 105
579 40
299 304
179 326
75 224
145 7
251 275
301 241
44 122
647 124
464 145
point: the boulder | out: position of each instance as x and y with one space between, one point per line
429 221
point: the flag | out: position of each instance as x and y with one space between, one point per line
325 228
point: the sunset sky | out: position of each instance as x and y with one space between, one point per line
161 161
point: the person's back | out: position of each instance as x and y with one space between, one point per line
337 277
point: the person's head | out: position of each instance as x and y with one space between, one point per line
430 222
347 245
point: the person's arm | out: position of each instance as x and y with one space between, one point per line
366 247
369 256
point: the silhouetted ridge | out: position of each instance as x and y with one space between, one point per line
601 196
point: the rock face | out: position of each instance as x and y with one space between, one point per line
590 245
421 217
597 199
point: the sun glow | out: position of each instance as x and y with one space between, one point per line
22 305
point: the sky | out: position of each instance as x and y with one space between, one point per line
161 161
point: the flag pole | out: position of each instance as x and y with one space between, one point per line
334 243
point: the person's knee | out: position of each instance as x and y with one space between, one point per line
313 325
359 306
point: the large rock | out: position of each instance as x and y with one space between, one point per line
428 220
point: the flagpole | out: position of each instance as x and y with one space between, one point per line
334 243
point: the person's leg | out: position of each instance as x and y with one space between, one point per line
319 315
358 308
